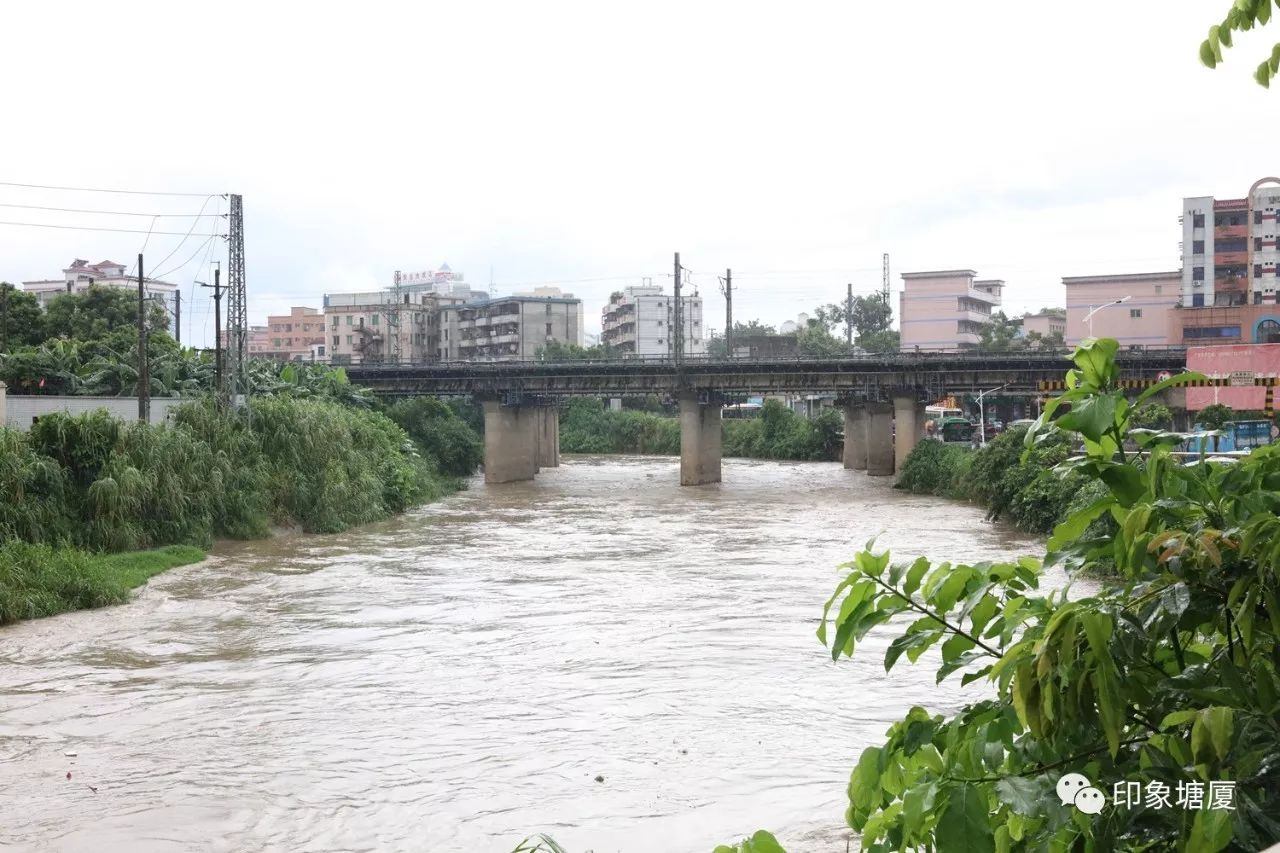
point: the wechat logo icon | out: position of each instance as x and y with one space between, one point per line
1074 789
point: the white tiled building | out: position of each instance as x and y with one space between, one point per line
81 274
640 320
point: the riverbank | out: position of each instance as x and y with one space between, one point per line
86 500
43 580
1025 493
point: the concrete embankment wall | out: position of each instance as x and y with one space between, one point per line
19 411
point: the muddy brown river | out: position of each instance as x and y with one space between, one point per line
457 678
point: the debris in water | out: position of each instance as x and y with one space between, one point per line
91 788
68 775
70 753
599 778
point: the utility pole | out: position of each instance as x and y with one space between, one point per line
393 321
217 333
848 316
237 305
728 312
177 316
144 375
675 341
4 317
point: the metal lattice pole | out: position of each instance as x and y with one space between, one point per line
237 307
393 320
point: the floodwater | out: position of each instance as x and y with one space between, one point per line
456 679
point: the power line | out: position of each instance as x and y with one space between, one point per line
98 190
110 212
185 236
172 270
115 230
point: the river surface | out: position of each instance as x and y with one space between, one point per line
457 678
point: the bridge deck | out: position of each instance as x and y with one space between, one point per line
873 376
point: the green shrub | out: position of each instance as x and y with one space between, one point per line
442 437
935 468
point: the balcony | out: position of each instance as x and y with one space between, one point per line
508 338
505 318
974 317
983 296
968 338
1227 231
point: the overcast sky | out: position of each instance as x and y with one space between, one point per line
584 143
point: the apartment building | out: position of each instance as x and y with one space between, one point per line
1229 248
373 327
288 337
640 321
511 328
946 309
81 275
1133 308
1046 323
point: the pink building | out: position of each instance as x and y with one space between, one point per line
1047 324
1140 320
1246 361
946 309
288 337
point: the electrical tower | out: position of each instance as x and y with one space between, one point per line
237 306
884 284
393 320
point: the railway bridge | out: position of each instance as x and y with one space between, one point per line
882 396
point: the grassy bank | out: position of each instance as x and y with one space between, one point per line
88 486
44 580
588 426
1027 493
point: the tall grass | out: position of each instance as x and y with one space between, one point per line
42 580
92 483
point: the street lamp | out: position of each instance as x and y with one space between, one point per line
982 413
1088 318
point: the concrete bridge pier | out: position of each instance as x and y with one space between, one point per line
879 419
855 436
699 440
511 446
908 416
548 436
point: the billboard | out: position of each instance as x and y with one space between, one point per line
1239 364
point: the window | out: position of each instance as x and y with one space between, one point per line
1197 247
1257 244
1197 300
1257 270
335 340
375 319
288 327
1135 312
348 319
335 321
1229 244
659 322
1197 273
548 330
1159 289
275 342
1211 332
348 339
1268 332
1197 220
1257 217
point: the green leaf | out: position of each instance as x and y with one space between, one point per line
762 842
1024 796
965 825
1091 418
864 783
916 802
1219 722
1178 718
1210 832
1076 524
914 575
1125 483
1206 54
